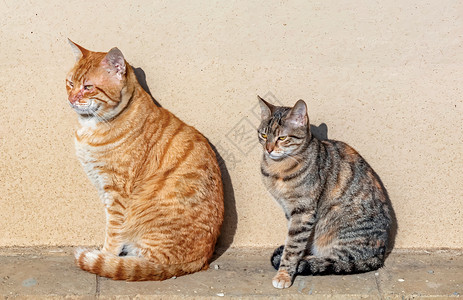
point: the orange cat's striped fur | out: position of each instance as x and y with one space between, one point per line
157 177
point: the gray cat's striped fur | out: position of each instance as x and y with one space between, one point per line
337 209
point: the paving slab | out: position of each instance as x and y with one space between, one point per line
245 274
33 274
350 286
234 274
41 273
422 275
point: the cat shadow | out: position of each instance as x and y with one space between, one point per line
320 131
230 220
141 77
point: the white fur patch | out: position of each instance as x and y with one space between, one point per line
78 252
132 250
87 123
91 168
92 256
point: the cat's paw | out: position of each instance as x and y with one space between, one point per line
282 280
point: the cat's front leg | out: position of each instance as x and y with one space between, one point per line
115 216
300 226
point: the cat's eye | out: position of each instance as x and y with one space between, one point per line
88 87
282 138
263 135
70 83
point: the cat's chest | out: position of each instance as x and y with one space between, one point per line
95 166
277 186
278 179
283 194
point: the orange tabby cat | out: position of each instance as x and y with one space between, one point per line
157 177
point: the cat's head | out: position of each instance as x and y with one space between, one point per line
96 83
283 131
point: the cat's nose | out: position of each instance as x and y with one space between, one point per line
269 147
73 98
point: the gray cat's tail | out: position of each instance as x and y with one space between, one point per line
276 257
330 265
333 265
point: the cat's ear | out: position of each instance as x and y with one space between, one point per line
78 51
266 108
114 61
298 114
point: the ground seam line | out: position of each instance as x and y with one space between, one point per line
97 285
380 292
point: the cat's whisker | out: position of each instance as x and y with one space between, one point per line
102 120
293 158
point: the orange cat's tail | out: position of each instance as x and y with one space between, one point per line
132 268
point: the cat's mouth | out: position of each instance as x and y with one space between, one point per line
276 156
85 110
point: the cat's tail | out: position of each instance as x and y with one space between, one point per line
336 264
132 268
332 265
276 257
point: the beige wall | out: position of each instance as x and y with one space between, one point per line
384 76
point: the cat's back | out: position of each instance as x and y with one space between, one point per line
329 169
351 182
176 164
172 141
343 160
174 148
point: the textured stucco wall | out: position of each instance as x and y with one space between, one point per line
385 77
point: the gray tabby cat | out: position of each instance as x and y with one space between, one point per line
338 213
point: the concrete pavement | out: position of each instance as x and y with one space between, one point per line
49 273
